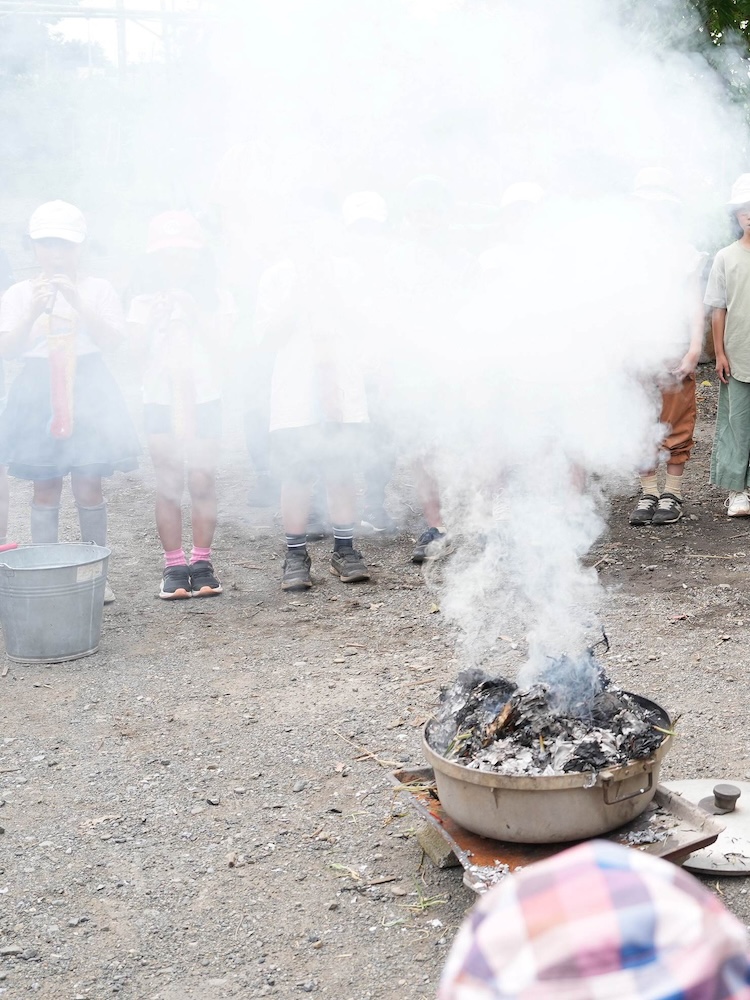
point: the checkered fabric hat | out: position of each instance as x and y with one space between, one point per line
599 922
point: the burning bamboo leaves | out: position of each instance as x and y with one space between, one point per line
490 725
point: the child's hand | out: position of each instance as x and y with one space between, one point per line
43 295
688 364
722 368
68 290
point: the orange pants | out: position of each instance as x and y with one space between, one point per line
678 411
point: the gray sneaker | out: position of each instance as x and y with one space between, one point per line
644 511
296 570
349 566
669 509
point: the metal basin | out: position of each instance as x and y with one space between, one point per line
547 810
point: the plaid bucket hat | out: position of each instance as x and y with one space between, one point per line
599 922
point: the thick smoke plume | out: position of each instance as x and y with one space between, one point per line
529 386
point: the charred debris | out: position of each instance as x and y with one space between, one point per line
574 719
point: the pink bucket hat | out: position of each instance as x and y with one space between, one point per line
599 922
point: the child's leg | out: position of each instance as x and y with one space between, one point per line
432 543
428 496
341 444
167 457
296 497
679 412
169 471
201 480
92 510
45 510
731 450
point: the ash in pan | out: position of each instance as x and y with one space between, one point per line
549 728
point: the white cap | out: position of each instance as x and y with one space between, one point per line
740 194
364 205
655 184
58 220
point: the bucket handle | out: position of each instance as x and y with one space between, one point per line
609 783
6 548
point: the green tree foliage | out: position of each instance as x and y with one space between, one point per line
725 20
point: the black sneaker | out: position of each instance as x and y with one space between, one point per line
644 512
377 521
203 580
175 584
669 509
349 566
296 575
431 544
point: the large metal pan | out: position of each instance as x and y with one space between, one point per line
547 810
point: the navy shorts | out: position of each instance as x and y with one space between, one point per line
333 451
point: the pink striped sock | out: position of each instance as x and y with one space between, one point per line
200 555
175 558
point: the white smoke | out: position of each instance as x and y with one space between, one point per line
531 389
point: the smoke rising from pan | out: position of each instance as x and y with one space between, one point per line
529 388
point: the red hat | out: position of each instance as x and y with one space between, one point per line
172 230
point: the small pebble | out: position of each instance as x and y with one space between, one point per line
10 950
214 801
299 785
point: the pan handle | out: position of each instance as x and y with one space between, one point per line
609 784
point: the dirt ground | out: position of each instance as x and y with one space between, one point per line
204 810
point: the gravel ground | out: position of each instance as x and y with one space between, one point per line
204 808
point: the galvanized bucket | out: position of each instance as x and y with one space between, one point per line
51 601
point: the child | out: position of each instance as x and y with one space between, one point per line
307 314
654 191
65 414
728 295
181 321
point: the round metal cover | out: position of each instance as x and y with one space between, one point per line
730 853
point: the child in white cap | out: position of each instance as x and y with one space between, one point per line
181 321
65 413
728 295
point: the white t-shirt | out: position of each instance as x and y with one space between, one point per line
179 349
317 374
96 293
